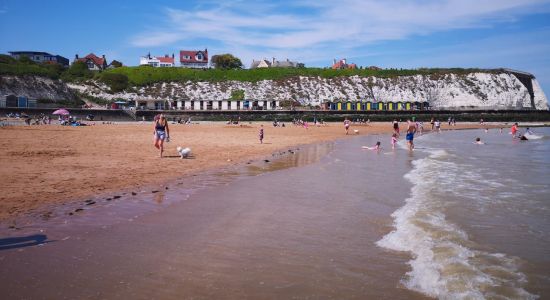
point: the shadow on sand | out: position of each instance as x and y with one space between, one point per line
23 241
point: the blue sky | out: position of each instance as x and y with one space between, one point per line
389 34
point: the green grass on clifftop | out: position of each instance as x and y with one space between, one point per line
144 75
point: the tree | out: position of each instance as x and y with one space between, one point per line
226 61
78 70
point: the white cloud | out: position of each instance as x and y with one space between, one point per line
306 29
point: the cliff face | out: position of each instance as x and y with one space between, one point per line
474 90
35 87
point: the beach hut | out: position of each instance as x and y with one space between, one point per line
408 106
11 101
348 106
380 106
338 105
417 105
391 106
359 106
399 105
22 101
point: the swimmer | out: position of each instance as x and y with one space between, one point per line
479 142
375 147
522 138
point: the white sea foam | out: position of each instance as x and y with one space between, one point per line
445 262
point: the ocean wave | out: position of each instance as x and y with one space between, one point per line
446 263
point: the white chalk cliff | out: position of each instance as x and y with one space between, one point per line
482 90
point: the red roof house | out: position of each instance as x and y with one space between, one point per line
342 64
194 59
93 62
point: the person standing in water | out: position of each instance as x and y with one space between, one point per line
411 130
514 130
161 132
393 140
396 127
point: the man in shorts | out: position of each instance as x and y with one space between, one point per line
411 130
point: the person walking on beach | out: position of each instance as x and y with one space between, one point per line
411 130
161 132
261 134
346 125
437 126
432 123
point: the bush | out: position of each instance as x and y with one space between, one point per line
237 95
77 71
117 82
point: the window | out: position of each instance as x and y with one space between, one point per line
200 56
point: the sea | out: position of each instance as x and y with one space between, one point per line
450 220
477 218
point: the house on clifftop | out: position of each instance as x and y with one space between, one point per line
157 61
264 63
194 59
93 62
342 64
41 57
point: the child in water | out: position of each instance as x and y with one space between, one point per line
375 147
479 142
393 140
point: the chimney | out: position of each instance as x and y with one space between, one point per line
273 61
76 57
344 61
103 56
149 55
172 55
334 61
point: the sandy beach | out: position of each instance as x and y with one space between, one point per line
52 164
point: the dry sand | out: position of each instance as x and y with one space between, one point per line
52 164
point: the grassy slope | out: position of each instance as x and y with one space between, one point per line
143 75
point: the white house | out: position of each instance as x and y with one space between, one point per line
157 61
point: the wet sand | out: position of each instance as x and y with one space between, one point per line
304 233
52 165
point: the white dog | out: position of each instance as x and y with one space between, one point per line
184 152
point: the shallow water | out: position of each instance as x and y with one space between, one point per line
316 223
478 217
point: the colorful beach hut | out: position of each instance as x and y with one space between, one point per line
408 106
391 106
368 105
